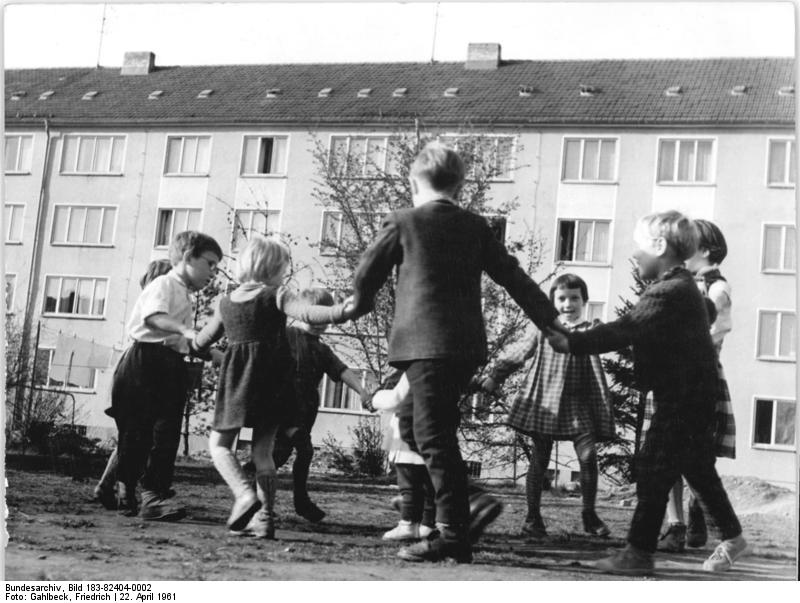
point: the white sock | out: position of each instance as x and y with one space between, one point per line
231 471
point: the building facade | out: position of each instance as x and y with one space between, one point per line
103 165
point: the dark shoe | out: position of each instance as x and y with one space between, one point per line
156 508
696 531
308 510
106 497
126 500
630 561
243 510
260 526
483 510
438 549
534 529
674 539
592 524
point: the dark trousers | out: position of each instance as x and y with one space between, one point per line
678 443
148 397
301 443
432 431
418 496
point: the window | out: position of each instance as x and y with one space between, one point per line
492 155
359 156
685 161
340 396
589 160
92 154
18 154
173 221
249 221
13 221
264 155
44 366
776 335
773 424
583 241
79 296
338 232
778 253
83 225
782 169
188 155
11 288
595 310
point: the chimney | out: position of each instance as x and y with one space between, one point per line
483 56
138 63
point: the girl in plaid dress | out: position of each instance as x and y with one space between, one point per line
563 397
711 251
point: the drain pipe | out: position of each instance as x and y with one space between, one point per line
35 268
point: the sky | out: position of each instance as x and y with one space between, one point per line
69 35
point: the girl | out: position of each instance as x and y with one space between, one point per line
255 377
563 397
711 251
417 504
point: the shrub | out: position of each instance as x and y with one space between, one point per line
370 458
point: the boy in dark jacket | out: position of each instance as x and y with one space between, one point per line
438 337
675 359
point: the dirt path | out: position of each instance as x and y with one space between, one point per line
56 534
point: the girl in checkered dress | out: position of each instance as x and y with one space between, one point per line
711 251
563 397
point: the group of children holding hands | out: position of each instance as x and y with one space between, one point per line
269 374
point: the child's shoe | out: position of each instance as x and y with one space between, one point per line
126 500
156 507
243 510
674 539
630 561
444 543
592 524
483 510
725 554
425 531
308 510
260 526
404 530
534 528
696 531
107 497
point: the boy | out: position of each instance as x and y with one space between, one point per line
311 358
150 383
437 335
675 358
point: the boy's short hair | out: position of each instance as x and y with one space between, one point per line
570 281
318 296
710 238
154 269
678 231
196 243
261 258
440 165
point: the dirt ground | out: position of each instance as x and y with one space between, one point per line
56 533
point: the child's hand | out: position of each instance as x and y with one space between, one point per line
559 342
349 309
366 401
489 385
189 334
216 356
556 327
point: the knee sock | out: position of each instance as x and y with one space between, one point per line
540 457
587 460
302 465
227 465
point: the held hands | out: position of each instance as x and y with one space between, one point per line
349 309
366 401
558 341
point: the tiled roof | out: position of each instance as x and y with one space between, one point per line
626 92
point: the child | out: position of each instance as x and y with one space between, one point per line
437 335
711 251
105 492
150 382
311 359
675 358
417 505
255 377
564 397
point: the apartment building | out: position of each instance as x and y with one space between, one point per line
103 165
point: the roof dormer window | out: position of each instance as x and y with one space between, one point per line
786 91
205 93
400 92
587 90
526 91
674 91
451 92
47 94
155 95
325 92
739 90
273 92
364 92
90 95
18 94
